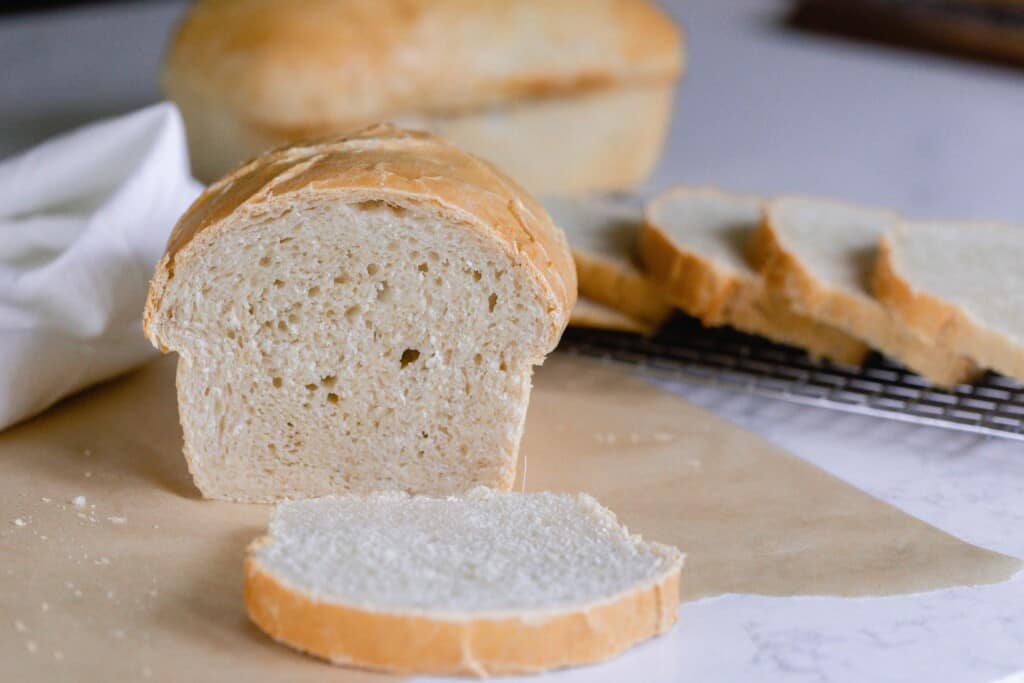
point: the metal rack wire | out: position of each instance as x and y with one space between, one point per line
684 349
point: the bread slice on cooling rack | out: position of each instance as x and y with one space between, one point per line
819 255
693 244
959 285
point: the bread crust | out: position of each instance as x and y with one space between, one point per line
788 276
481 646
716 296
594 315
381 163
940 322
305 66
621 287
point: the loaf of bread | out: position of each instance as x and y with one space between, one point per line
820 254
563 96
603 237
958 285
693 245
358 314
485 584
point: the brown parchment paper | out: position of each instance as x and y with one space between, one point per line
141 579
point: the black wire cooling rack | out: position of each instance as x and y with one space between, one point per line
684 349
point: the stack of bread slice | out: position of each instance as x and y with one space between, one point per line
834 279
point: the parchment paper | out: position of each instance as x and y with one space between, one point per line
141 579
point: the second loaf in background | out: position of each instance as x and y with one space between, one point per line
565 96
359 314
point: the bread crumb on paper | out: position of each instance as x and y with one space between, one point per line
79 501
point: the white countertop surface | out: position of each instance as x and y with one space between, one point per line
768 110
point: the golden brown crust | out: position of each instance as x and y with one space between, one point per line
942 323
410 643
621 287
304 66
589 313
785 275
385 163
720 297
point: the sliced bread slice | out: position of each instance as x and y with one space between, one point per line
359 314
488 583
588 313
959 285
819 255
693 244
603 238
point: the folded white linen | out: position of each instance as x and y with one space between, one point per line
83 219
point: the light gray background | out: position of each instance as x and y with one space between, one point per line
768 110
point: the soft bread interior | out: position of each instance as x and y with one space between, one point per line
483 554
337 346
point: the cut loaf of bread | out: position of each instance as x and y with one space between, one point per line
959 285
359 314
589 313
819 255
693 244
603 237
488 583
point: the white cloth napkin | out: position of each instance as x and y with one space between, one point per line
83 219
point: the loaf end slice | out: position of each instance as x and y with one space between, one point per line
956 285
819 255
603 237
484 584
693 244
590 314
359 314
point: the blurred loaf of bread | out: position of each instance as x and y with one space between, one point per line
566 96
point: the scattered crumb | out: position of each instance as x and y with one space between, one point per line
78 593
19 626
663 437
79 501
117 633
152 592
31 646
45 607
88 474
117 520
58 655
46 500
69 585
81 515
20 522
110 594
87 452
43 537
156 526
103 561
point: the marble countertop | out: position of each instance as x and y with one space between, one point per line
768 110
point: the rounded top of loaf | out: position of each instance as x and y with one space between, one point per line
386 163
305 67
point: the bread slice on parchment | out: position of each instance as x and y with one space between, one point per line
588 313
959 285
484 584
693 243
603 237
819 255
359 314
